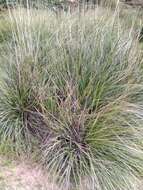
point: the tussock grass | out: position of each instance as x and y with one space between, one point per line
110 3
5 32
19 91
72 86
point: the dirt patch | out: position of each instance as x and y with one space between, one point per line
18 175
24 175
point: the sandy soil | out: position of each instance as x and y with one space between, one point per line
23 176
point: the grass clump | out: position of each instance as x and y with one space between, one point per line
95 127
5 31
20 102
71 84
110 3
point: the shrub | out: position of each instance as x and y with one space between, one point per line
73 84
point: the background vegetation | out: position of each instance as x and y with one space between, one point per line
71 94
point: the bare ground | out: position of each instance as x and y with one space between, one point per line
20 175
25 175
